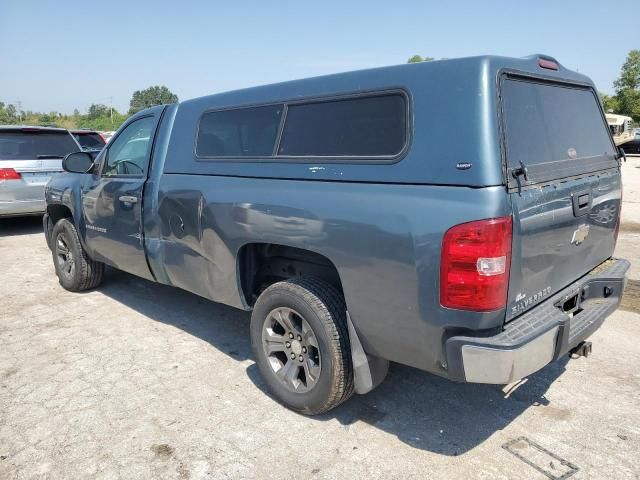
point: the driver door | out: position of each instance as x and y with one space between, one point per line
112 200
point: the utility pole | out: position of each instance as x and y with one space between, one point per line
19 106
111 108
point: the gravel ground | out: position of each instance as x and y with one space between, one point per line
136 380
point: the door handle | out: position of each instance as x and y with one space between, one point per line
128 199
583 200
581 203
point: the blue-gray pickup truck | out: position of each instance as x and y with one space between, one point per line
458 216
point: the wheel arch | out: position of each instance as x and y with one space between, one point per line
260 264
54 213
57 211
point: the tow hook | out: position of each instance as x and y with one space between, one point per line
583 349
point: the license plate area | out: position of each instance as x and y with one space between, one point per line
36 178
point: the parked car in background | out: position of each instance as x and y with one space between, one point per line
107 136
632 147
29 156
336 209
620 127
89 139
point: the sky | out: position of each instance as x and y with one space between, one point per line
61 55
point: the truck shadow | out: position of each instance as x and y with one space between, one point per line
431 413
420 409
14 226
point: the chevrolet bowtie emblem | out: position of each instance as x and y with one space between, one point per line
580 234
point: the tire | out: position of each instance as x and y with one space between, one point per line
324 378
76 271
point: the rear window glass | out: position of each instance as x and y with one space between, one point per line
89 140
546 123
361 127
19 145
243 132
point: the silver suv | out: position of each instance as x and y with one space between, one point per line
29 156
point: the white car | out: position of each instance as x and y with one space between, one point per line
29 156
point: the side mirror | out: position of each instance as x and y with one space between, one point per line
77 162
622 154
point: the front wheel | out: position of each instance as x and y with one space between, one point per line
300 342
76 271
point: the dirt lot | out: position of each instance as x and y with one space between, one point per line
136 380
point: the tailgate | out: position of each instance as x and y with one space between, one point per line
564 183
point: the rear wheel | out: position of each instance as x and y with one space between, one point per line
76 271
300 341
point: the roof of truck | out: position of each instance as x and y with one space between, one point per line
453 120
435 67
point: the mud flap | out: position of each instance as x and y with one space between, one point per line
368 371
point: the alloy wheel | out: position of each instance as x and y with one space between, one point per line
291 348
64 256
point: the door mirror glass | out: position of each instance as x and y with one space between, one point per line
77 162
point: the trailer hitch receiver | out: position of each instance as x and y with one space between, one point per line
583 349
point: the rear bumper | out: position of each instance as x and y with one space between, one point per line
18 198
15 208
542 334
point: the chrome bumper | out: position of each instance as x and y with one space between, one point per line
541 335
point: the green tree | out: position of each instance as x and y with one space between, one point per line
419 58
45 119
630 73
11 112
97 110
609 103
156 95
4 119
628 87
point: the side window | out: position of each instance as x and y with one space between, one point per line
128 153
373 126
242 132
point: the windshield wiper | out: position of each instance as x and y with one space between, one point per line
49 156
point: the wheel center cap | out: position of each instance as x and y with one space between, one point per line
296 347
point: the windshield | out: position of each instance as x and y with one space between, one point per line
546 123
28 145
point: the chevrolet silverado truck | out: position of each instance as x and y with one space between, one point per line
362 221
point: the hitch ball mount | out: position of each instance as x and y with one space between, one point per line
583 349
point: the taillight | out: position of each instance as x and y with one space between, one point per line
9 174
474 268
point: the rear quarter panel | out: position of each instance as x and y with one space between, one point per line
383 239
